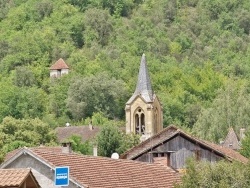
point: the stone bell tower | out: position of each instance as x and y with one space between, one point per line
144 114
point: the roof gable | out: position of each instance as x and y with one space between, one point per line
60 64
170 132
104 172
16 177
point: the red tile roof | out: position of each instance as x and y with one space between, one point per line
14 177
60 64
57 149
63 133
102 172
170 132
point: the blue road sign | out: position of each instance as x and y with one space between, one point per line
62 176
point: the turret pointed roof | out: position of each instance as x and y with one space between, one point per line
60 64
232 140
143 87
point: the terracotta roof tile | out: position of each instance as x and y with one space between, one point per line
57 149
60 64
13 177
102 172
63 133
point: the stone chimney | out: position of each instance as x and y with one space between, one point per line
95 150
66 147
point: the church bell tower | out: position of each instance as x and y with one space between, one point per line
144 114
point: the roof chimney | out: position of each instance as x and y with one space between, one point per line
66 147
162 159
95 150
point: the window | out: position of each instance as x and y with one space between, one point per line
139 122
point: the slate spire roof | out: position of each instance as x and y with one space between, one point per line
143 86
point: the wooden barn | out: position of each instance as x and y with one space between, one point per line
173 147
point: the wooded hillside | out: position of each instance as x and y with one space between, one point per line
197 52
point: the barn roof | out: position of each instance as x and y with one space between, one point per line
170 132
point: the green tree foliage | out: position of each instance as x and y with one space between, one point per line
5 5
98 26
220 174
229 109
24 77
44 8
58 94
79 146
111 140
245 145
98 93
17 133
193 48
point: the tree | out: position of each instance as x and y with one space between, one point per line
111 140
98 26
79 146
98 93
245 145
58 94
229 109
24 77
213 175
17 133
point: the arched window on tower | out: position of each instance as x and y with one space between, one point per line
139 122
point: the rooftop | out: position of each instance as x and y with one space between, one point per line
16 177
102 172
60 64
170 132
85 132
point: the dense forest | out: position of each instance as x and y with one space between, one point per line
197 53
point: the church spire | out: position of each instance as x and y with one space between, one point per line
143 86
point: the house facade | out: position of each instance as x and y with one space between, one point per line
89 171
